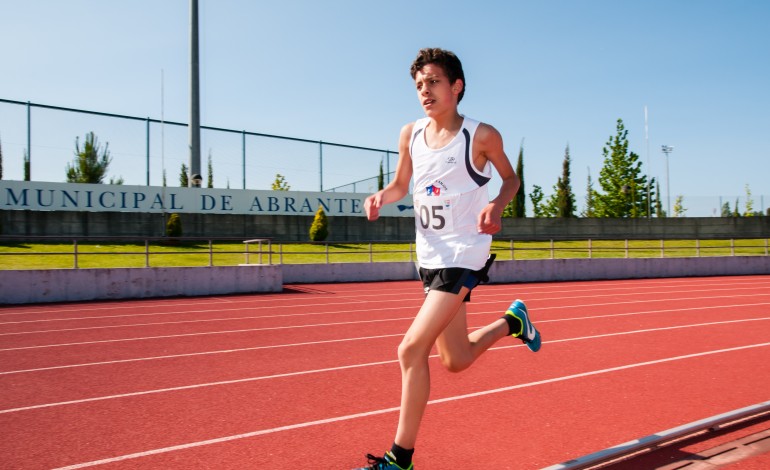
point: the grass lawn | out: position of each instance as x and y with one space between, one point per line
136 255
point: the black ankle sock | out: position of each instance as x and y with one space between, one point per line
403 456
514 324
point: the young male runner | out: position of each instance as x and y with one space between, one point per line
450 157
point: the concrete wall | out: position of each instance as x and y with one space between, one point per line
620 268
347 229
60 285
349 272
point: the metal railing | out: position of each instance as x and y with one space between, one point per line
33 253
148 121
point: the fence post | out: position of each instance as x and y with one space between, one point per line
697 248
551 248
211 254
590 249
662 250
327 252
146 253
75 244
512 255
371 257
321 164
29 140
732 247
626 247
148 151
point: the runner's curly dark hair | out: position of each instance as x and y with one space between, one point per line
447 60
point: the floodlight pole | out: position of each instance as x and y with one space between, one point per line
667 149
195 121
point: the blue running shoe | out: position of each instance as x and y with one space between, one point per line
388 462
528 334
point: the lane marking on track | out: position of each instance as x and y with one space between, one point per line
349 417
355 322
339 340
202 353
336 312
351 366
403 299
271 300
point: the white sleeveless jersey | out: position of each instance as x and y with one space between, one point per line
449 193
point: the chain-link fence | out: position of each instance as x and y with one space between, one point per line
149 151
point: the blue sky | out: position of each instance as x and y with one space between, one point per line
546 73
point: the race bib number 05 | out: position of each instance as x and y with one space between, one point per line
434 214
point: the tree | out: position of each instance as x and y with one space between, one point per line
622 183
27 167
174 226
679 208
658 203
210 182
518 204
280 183
536 196
91 163
380 178
590 210
749 211
319 230
184 177
562 201
726 212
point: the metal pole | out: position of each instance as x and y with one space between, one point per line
195 132
647 141
667 149
243 157
148 151
29 142
668 190
321 163
387 157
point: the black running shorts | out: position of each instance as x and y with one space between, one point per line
453 279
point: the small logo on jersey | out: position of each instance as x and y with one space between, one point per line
451 159
433 190
447 203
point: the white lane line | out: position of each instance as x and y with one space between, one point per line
352 366
356 322
273 301
202 353
349 417
400 299
341 340
305 314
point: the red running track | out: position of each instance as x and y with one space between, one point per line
309 377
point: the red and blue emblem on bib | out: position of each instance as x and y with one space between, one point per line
433 190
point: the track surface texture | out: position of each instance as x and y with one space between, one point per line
308 378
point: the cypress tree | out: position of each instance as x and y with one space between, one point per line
565 199
520 200
319 230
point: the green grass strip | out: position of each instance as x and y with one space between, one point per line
21 255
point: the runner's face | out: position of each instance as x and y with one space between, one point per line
434 91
